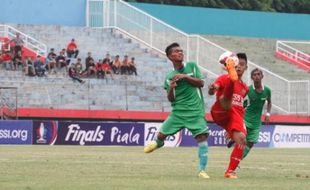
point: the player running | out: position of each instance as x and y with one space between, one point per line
228 111
183 85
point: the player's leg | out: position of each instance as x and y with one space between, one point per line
171 126
237 132
251 138
247 149
225 100
200 131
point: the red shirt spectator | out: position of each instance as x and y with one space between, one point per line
72 49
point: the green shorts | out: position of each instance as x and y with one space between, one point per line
252 135
173 124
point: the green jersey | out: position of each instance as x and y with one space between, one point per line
254 109
188 98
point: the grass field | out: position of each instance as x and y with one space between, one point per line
78 167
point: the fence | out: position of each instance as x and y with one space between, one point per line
298 56
156 34
29 42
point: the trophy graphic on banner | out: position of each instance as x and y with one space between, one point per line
40 134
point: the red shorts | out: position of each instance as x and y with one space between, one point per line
231 120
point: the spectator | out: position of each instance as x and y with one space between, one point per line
72 49
78 67
7 60
72 74
29 67
107 69
99 69
108 58
125 65
132 67
90 67
61 60
51 60
17 60
116 65
17 43
39 67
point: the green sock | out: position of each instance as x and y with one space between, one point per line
160 143
246 151
203 155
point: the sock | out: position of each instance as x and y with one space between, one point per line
203 155
160 143
235 157
229 89
245 151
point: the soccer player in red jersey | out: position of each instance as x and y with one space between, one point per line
228 111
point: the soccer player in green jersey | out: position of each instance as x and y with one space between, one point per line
257 96
183 85
254 103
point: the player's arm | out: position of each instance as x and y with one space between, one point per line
192 80
171 95
269 105
212 89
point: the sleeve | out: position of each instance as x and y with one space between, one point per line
197 72
166 83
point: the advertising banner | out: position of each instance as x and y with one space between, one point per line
44 132
216 136
15 132
291 137
100 133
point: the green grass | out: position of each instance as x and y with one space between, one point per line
77 168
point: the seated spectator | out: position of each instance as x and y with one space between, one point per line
39 66
90 67
106 68
72 49
72 74
17 60
99 69
51 61
125 65
132 67
6 45
17 43
78 67
29 67
7 60
116 65
108 58
61 60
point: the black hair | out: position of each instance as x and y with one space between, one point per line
168 48
242 56
255 70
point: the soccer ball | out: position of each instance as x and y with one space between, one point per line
226 56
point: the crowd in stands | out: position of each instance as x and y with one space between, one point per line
11 57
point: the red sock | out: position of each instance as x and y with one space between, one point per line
235 157
229 89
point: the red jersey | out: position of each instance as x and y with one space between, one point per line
240 91
72 45
231 119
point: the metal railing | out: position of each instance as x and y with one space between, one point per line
293 53
35 45
156 34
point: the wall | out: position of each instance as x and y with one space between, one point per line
49 12
188 19
232 22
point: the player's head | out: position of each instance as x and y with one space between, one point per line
174 52
243 64
257 75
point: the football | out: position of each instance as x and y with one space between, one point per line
226 56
